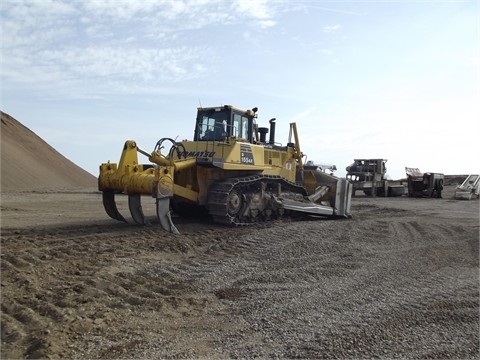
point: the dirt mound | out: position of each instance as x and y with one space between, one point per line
29 163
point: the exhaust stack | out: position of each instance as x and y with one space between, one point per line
272 131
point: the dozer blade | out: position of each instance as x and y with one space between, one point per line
110 206
163 214
135 206
310 208
463 195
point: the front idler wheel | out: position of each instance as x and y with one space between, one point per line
235 203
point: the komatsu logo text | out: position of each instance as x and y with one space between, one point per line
198 154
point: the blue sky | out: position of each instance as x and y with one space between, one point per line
362 79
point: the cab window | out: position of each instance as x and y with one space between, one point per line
212 128
240 126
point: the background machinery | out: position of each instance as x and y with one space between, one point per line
311 165
424 184
229 170
369 176
469 189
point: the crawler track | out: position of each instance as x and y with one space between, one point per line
252 199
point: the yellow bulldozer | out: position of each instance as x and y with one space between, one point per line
229 170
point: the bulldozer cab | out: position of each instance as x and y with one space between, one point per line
218 123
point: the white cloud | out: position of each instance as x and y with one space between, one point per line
34 23
42 22
331 28
117 41
29 9
256 9
121 9
261 10
181 14
94 71
266 23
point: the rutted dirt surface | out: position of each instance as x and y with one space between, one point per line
398 280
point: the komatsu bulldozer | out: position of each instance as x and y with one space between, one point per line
229 170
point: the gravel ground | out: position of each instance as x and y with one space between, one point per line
398 280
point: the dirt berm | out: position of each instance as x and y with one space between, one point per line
398 280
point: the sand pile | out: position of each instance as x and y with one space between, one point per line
29 163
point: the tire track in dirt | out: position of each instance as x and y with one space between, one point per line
307 288
381 301
94 267
83 263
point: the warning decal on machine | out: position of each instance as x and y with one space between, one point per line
246 155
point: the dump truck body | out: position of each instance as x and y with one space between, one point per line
427 184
